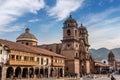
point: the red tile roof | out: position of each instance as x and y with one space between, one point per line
21 47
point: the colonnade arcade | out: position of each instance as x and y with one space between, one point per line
34 72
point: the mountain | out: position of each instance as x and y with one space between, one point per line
102 53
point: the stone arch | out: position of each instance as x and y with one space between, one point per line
31 72
10 72
61 72
18 72
41 72
37 72
0 72
46 72
55 72
25 73
51 72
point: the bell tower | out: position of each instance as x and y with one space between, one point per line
70 40
112 61
84 50
70 46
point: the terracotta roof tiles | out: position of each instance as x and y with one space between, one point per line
21 47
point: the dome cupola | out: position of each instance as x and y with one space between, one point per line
70 22
27 38
111 56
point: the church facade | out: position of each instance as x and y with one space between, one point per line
74 46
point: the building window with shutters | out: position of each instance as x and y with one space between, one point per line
42 61
12 57
17 57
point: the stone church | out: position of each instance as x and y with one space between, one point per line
74 46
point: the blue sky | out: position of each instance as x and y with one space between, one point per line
45 19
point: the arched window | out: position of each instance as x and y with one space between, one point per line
68 32
75 32
27 43
76 54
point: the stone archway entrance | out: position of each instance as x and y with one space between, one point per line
46 72
18 72
51 72
37 72
42 72
0 72
31 72
61 72
25 73
10 72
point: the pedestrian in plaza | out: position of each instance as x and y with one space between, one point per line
81 77
108 74
112 77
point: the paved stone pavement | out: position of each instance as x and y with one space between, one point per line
103 77
98 77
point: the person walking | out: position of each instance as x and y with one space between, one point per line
81 78
112 77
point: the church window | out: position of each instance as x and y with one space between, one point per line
75 32
68 45
68 32
27 43
67 68
76 54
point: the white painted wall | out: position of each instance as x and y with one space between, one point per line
45 60
3 55
104 60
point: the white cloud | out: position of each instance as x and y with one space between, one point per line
10 10
63 8
92 19
104 30
33 20
12 28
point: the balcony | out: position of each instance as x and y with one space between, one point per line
24 63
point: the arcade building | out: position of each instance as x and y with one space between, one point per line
21 59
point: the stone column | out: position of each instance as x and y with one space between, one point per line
28 74
63 71
14 71
21 72
4 70
49 71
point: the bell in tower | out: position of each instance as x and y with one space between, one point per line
70 29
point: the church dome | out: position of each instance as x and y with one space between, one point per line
83 29
111 54
26 36
70 22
